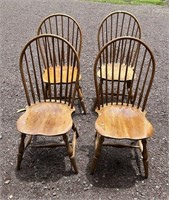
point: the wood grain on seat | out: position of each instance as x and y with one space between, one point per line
46 118
123 122
123 70
66 74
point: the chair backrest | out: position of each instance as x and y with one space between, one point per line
64 26
117 24
129 54
44 52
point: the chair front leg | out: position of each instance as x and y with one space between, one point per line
21 151
100 93
72 158
75 130
98 144
71 151
145 157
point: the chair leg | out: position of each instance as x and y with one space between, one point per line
75 130
98 144
75 136
95 104
73 163
145 157
80 95
100 92
70 152
21 151
28 142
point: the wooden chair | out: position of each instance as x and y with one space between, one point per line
120 118
49 115
117 24
68 28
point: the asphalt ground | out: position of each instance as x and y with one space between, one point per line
46 173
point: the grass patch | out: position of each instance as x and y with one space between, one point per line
135 2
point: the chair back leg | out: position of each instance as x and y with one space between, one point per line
145 157
21 151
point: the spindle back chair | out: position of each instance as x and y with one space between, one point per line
117 24
67 27
49 115
123 116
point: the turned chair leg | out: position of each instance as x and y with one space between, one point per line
75 130
75 136
145 157
70 153
21 151
98 144
80 95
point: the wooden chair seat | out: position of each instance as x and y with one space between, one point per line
102 72
57 72
46 118
123 122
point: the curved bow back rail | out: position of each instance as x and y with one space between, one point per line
117 24
64 26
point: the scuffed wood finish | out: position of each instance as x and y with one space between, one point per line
46 118
109 68
123 122
67 73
